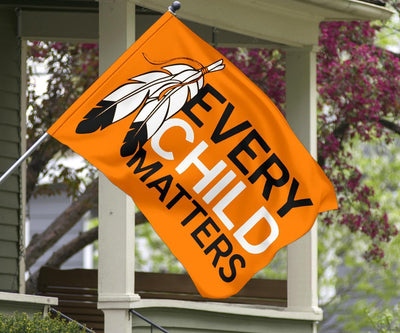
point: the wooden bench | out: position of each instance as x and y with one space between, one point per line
76 290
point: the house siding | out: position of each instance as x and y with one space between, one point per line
41 212
10 129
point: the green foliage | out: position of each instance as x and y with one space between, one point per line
94 222
358 295
152 255
22 323
348 286
386 321
388 32
277 268
381 168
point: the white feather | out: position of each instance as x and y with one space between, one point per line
178 98
188 75
200 83
158 89
218 68
213 67
129 105
146 110
166 94
122 91
194 89
157 118
150 77
178 68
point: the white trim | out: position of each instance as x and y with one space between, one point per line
358 9
275 21
235 309
115 302
23 298
301 114
290 22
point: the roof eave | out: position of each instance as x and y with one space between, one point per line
352 9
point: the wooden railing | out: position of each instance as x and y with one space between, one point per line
76 290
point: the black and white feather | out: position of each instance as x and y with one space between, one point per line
155 96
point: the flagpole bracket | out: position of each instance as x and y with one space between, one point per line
174 7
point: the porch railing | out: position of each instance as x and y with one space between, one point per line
77 292
137 314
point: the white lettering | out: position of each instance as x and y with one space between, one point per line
245 228
217 188
225 201
193 158
172 122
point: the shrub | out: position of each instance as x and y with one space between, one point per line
22 323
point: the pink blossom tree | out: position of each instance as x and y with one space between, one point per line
358 98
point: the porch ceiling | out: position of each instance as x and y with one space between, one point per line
265 22
290 22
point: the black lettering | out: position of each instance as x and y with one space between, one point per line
232 276
244 146
203 228
218 135
163 190
215 245
198 99
291 202
140 156
195 212
182 193
270 181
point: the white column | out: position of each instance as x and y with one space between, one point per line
301 111
116 209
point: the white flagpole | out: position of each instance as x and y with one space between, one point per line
23 157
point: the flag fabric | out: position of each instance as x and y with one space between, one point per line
205 155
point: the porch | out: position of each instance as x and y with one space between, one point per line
172 301
169 300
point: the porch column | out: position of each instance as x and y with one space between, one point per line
302 116
116 209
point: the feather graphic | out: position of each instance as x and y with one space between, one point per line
150 118
123 101
155 96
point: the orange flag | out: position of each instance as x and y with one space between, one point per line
203 152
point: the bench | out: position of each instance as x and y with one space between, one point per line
76 290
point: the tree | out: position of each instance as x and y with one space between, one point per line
358 107
357 99
354 292
360 296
